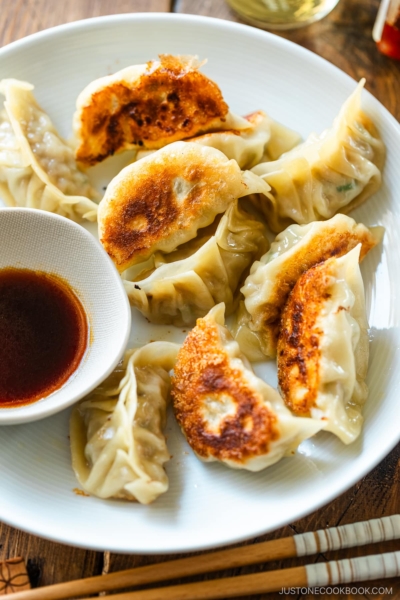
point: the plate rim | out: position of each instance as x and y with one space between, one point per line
93 23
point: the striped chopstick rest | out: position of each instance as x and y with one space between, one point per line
346 536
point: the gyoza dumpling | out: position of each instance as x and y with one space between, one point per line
10 155
264 139
159 202
271 279
149 106
225 411
37 167
185 284
117 444
323 346
10 161
333 172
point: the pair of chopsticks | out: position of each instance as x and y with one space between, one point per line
366 568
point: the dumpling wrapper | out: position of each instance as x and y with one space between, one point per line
148 106
159 202
330 173
225 411
37 167
323 346
117 442
264 139
187 283
272 278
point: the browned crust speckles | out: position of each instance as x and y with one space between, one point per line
299 340
330 242
145 209
80 492
170 101
142 207
203 371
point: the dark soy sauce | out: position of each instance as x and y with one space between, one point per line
43 335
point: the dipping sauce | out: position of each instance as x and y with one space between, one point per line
43 335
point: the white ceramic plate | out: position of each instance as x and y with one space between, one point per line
207 504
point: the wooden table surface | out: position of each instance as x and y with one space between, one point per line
344 38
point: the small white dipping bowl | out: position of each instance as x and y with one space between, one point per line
41 241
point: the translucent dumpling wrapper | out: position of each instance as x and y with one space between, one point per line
323 346
160 202
271 279
333 172
147 107
184 285
37 167
225 411
263 139
117 441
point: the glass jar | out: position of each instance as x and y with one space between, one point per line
282 14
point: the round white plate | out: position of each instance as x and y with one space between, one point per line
207 504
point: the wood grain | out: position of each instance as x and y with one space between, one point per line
23 17
13 576
48 562
344 38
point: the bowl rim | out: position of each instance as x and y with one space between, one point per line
40 409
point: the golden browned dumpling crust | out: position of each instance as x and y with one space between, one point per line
271 280
330 243
299 341
160 202
171 100
221 415
323 347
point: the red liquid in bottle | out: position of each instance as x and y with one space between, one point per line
387 28
390 42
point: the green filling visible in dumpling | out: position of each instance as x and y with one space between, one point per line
345 188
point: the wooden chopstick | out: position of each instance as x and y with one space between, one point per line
364 568
323 540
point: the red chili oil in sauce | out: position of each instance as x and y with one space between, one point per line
43 335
